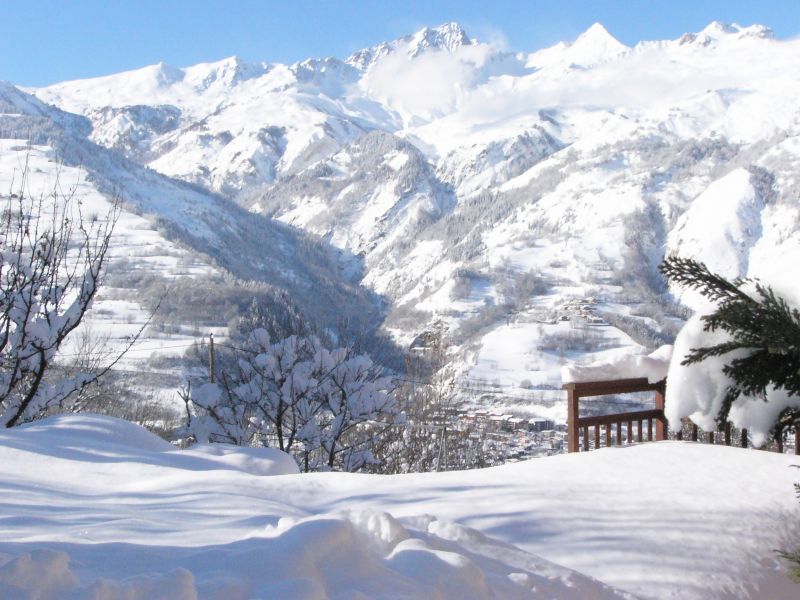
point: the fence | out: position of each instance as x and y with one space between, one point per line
579 427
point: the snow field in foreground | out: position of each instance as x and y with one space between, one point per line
97 508
143 486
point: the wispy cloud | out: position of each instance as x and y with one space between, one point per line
428 85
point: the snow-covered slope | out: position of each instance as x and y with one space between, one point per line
371 196
97 508
721 225
201 255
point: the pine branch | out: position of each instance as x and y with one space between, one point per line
794 558
731 395
763 325
697 355
695 275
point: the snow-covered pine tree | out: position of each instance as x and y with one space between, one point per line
762 326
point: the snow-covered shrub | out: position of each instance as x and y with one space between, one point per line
518 287
488 316
116 395
463 280
322 406
427 436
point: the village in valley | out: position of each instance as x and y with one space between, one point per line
499 438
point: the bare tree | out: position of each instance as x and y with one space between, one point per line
51 259
426 439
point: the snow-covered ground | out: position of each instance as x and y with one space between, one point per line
97 508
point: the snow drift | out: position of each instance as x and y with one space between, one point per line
96 508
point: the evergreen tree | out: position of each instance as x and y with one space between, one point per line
757 321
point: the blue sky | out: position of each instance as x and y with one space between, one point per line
45 41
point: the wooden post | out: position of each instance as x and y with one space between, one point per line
630 432
639 437
743 441
694 432
586 438
797 439
661 424
211 357
444 439
597 436
572 418
619 433
727 433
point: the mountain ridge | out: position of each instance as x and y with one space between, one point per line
486 190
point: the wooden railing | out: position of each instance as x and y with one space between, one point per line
726 435
629 419
579 429
577 424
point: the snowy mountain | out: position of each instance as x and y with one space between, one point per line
496 192
203 257
448 37
594 46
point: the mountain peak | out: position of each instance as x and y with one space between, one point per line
717 31
451 35
595 45
448 36
598 36
226 72
595 31
757 30
165 74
